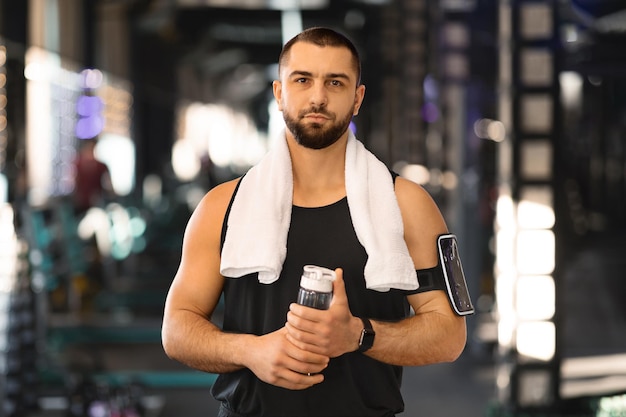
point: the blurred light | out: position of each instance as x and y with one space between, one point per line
431 90
535 387
610 406
593 366
185 161
91 79
291 4
430 112
118 153
569 33
496 131
505 212
9 252
230 138
90 121
536 112
4 189
536 160
536 340
535 20
291 19
534 210
490 129
38 128
89 105
137 226
436 178
503 382
507 318
121 236
414 172
535 297
456 65
449 180
35 71
456 35
95 223
535 252
571 88
152 190
536 66
595 375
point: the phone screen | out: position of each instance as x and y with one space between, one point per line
454 276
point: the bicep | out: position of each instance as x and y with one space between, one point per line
422 220
198 284
423 223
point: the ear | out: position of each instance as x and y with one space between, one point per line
277 88
359 95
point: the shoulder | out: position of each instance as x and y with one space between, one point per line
413 197
208 216
220 195
422 220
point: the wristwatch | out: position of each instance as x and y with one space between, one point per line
366 340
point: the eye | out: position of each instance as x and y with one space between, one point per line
336 83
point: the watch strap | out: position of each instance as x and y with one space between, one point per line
366 341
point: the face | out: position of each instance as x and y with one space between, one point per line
317 94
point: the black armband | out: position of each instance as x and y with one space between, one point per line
430 279
448 276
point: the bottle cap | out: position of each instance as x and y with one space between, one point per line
317 278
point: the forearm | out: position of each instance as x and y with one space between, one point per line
198 343
422 339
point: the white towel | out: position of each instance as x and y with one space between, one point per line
256 238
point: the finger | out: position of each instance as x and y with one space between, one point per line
306 343
310 365
301 323
304 312
308 347
305 368
339 287
299 381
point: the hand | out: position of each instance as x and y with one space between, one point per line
275 360
331 332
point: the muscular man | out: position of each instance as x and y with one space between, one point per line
278 358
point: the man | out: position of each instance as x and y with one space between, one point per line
92 180
277 358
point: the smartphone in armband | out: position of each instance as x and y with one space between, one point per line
456 286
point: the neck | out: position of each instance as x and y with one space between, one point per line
318 174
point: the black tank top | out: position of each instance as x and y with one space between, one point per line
354 384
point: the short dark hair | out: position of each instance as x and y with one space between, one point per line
322 36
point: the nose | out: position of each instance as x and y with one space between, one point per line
319 96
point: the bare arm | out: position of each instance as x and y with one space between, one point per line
189 336
434 334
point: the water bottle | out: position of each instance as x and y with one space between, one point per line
316 287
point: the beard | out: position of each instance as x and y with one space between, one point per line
316 135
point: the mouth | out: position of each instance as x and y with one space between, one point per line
316 117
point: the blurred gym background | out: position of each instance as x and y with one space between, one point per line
511 113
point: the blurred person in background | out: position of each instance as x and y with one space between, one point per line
92 184
275 357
